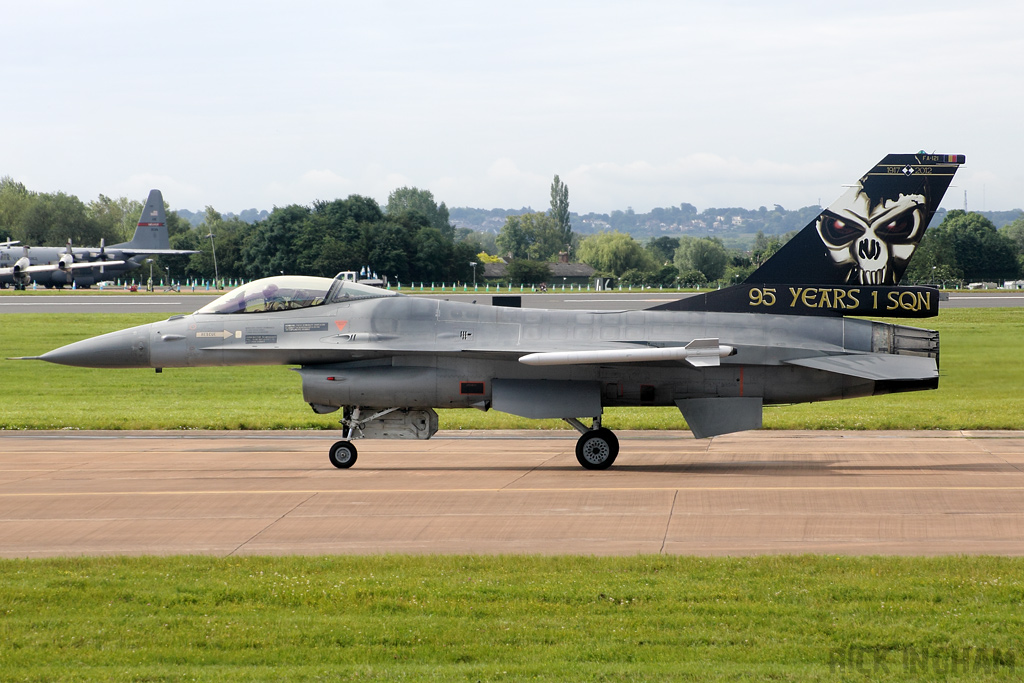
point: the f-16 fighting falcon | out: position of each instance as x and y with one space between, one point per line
85 266
387 361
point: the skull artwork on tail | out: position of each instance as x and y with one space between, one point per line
874 239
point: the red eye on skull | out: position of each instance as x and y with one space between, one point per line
838 232
898 228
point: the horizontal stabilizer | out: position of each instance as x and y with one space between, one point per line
877 367
699 353
708 417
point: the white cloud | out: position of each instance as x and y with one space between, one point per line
176 193
322 184
648 103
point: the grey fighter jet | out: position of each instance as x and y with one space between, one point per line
85 266
387 361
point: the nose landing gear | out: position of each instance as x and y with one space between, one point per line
342 455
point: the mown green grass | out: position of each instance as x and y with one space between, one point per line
981 377
512 618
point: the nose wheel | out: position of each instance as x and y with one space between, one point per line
597 449
342 455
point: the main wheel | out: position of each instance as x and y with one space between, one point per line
342 455
597 449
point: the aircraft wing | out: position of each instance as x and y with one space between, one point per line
49 267
153 252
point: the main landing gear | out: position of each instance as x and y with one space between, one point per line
597 448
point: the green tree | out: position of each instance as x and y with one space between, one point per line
935 254
981 251
52 219
560 209
615 253
415 199
432 255
706 254
635 277
389 253
116 218
534 236
14 199
1015 233
270 248
335 237
228 242
692 278
765 247
663 249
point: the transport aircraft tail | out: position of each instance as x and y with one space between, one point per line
851 257
151 232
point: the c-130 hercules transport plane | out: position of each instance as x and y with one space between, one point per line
85 266
387 360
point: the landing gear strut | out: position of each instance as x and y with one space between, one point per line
379 423
597 448
343 454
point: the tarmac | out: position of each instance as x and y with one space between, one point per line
275 493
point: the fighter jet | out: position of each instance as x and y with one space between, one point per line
387 361
84 266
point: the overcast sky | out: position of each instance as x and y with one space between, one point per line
641 103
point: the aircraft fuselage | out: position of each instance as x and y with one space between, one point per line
418 352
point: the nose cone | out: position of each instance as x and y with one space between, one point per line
124 349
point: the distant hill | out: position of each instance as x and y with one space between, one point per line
249 216
684 220
674 220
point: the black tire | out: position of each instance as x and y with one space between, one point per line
342 455
597 449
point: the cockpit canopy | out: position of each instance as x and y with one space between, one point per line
287 292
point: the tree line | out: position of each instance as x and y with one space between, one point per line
412 239
965 247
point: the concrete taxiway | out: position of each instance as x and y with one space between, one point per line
921 493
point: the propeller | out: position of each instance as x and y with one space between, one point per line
65 261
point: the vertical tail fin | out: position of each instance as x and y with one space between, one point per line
151 232
849 259
868 235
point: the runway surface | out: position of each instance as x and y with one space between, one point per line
240 493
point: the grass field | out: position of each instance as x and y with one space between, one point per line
981 370
512 618
808 618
